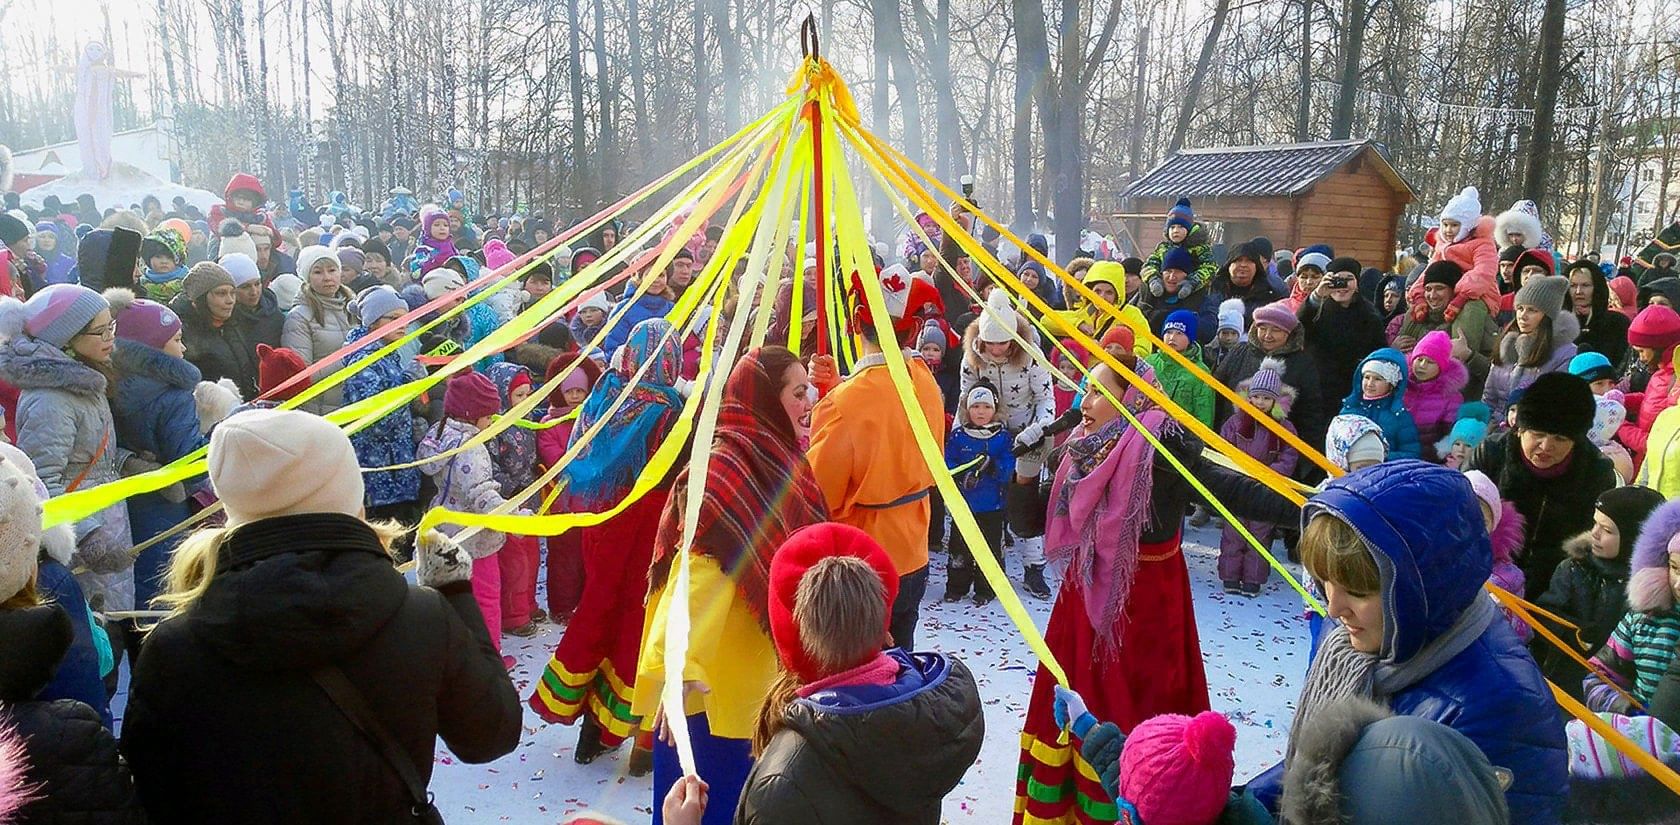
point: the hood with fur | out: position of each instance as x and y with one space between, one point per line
1524 217
1648 589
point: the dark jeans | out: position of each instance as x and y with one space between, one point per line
963 573
906 609
936 521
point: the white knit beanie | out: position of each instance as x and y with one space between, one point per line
440 282
286 287
596 301
20 529
242 267
997 326
1466 208
270 463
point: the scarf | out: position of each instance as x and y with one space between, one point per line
1338 671
610 462
1099 512
759 489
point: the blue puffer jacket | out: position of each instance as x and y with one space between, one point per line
390 440
650 306
155 414
1390 411
1492 691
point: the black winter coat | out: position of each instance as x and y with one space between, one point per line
224 723
68 752
1604 331
1590 592
1259 292
1339 338
1311 412
218 352
1554 509
885 755
262 325
1028 505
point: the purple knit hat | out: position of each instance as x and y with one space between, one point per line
1267 380
1278 314
470 396
1647 587
142 321
60 311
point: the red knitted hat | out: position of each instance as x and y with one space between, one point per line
470 396
802 550
274 366
1120 334
1655 327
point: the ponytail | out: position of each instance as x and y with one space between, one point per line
772 715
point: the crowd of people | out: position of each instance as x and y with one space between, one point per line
1496 414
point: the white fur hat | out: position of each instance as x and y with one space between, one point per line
287 286
20 529
1466 208
997 325
1524 217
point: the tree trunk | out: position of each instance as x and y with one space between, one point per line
1353 48
1140 97
580 132
166 44
1032 63
1303 107
1187 100
606 149
729 60
638 77
1536 176
702 81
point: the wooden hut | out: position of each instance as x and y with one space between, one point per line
1343 192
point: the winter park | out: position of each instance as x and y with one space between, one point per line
741 412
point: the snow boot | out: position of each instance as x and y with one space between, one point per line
641 761
1250 589
1233 587
589 745
1033 581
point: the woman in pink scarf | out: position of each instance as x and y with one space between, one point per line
1123 626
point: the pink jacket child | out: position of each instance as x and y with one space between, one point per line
1434 401
1241 568
1505 532
565 551
1472 249
1656 327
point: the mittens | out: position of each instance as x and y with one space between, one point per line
1156 287
441 561
1101 748
101 556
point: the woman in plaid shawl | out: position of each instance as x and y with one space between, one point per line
592 675
758 490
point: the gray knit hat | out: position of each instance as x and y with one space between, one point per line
1545 294
376 302
202 278
55 315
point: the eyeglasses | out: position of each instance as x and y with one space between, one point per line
107 332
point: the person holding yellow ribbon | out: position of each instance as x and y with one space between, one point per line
592 675
758 490
1123 625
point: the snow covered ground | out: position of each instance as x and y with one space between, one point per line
1255 651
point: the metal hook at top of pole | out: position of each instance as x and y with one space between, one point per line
808 41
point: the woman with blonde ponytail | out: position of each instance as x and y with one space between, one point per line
291 626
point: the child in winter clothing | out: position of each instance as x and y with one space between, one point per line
1589 588
1354 442
165 254
466 483
391 494
1241 568
1606 421
565 551
1466 239
1232 332
513 454
1433 398
1655 336
1638 652
980 451
1179 384
1596 370
1171 769
1466 435
1379 393
1505 533
587 322
435 245
1182 232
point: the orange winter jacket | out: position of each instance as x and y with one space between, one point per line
865 458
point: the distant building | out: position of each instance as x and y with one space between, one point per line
149 149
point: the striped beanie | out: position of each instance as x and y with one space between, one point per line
55 315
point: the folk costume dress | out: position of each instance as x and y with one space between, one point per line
593 671
1123 626
759 489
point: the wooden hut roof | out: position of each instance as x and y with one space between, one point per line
1256 171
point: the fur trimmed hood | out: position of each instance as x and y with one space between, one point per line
1312 783
1648 589
1524 217
32 364
1507 535
1019 360
136 359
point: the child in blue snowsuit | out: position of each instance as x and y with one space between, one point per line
979 453
1379 393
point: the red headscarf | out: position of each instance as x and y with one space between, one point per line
759 487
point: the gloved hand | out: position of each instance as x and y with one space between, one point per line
1185 289
100 555
137 464
1030 435
684 386
1156 288
825 373
1070 709
1101 748
174 493
440 560
1030 464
